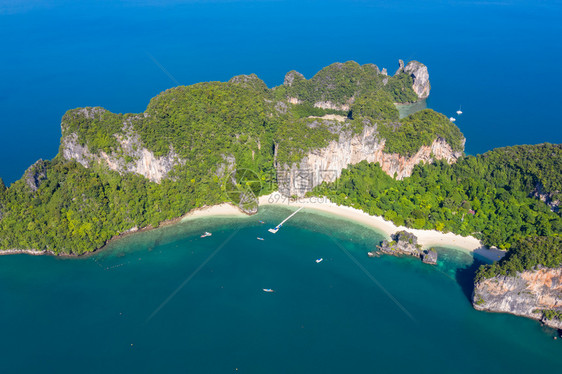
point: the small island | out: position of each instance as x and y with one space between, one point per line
337 135
406 243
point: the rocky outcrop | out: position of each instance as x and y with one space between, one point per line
326 164
419 74
429 257
534 294
249 81
35 174
133 158
549 198
228 166
405 243
291 76
330 105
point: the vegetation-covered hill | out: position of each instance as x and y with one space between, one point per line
487 196
214 127
338 83
526 254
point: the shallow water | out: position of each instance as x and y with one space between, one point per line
404 110
167 300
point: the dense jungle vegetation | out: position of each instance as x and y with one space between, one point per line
487 196
214 127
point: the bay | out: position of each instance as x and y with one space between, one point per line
168 300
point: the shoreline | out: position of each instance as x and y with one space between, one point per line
219 210
223 209
427 238
31 252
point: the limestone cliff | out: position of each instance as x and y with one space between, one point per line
534 294
326 164
132 156
318 91
35 174
419 74
405 243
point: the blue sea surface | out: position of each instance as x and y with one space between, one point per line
495 58
170 301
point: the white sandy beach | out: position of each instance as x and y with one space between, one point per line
224 209
427 238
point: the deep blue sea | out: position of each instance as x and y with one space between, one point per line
498 59
169 301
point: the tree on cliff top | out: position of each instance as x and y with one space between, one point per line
527 254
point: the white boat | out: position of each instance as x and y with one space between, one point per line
260 238
459 112
268 290
206 234
452 119
319 260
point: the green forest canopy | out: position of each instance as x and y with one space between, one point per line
76 210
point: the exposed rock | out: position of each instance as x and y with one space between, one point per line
429 257
326 164
92 112
547 197
419 73
226 167
384 71
248 203
335 117
281 107
403 243
372 66
249 81
400 67
35 174
134 158
329 105
291 76
534 294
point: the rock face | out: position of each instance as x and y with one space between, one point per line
403 243
406 243
35 174
534 294
291 76
429 257
329 105
326 164
138 159
420 75
546 197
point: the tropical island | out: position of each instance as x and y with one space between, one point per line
337 135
